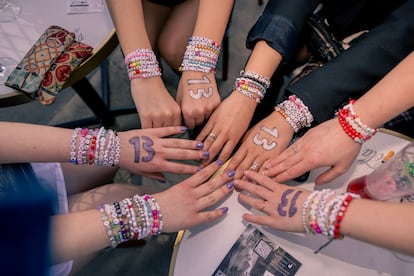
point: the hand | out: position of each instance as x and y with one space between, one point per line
324 145
227 124
198 96
155 106
182 205
261 143
146 151
281 205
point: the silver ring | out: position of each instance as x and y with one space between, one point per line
254 166
212 136
295 150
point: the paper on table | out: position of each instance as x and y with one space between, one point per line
84 6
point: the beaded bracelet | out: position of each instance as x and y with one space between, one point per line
352 124
295 112
131 219
142 63
201 55
264 81
99 147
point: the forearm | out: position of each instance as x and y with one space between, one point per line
212 19
76 234
263 60
385 224
128 18
391 96
33 143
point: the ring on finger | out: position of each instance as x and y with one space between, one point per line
212 136
261 204
254 166
294 149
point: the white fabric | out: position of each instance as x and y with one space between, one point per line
51 176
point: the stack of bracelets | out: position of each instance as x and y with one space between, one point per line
352 124
100 147
142 63
131 219
252 85
323 212
295 112
200 55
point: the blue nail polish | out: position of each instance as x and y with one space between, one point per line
206 154
231 173
230 185
220 162
183 129
162 181
200 145
224 209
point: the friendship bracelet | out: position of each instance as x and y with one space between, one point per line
98 147
264 81
131 219
142 63
295 112
352 124
201 55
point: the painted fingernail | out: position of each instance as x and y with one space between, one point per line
183 129
162 181
220 162
206 154
200 145
231 173
230 185
224 209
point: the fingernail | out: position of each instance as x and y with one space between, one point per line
224 209
206 154
230 185
199 168
231 173
220 162
162 181
200 145
264 172
183 129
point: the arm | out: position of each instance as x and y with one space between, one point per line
274 39
154 104
197 91
357 69
182 206
361 215
328 144
142 151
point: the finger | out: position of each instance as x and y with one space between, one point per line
166 131
226 151
214 192
190 121
207 216
329 175
146 123
292 172
179 168
282 167
205 131
258 219
179 143
261 180
204 174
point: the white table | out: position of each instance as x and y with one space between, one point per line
200 250
95 29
